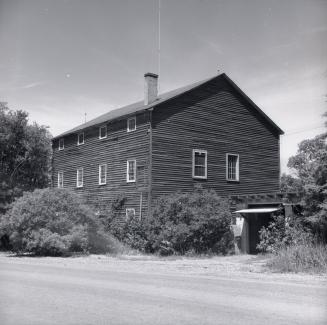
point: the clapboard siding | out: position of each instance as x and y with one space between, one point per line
115 150
213 118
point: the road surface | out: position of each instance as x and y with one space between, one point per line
33 292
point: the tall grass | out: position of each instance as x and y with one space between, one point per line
307 257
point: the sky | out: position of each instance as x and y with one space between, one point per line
60 60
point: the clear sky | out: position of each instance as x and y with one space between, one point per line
61 59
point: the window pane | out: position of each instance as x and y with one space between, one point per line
103 132
131 170
200 164
232 167
81 138
60 179
200 159
200 171
103 174
79 177
61 144
131 124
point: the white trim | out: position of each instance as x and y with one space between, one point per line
105 181
101 127
129 119
193 163
77 174
60 184
259 210
128 180
130 210
62 140
80 143
237 179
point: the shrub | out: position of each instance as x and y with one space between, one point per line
131 232
281 233
198 222
54 222
305 257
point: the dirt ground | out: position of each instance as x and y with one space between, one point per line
99 289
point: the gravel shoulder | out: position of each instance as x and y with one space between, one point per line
245 266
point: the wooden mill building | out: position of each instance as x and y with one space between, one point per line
209 133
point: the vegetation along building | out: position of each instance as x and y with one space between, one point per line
207 133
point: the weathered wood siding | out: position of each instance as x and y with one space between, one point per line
115 150
215 118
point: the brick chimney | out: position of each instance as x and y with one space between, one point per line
150 88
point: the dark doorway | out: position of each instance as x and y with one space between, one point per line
256 221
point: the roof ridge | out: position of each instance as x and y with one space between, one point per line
135 107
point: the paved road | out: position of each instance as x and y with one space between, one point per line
47 294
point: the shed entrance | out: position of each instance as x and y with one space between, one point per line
254 220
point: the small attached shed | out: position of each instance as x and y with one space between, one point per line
252 213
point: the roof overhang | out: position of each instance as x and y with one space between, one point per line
259 210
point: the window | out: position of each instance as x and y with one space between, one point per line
131 171
80 138
79 177
232 167
199 164
130 213
61 144
102 174
60 179
131 124
102 132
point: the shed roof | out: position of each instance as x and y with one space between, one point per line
139 106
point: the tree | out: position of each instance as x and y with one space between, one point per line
25 154
310 167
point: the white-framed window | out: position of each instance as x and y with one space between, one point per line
131 124
130 213
102 132
60 179
61 144
199 169
102 174
80 138
79 177
131 171
232 167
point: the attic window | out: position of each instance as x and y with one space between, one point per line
102 132
199 164
61 144
80 138
131 124
232 167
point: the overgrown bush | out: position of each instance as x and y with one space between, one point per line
54 222
196 222
305 257
281 233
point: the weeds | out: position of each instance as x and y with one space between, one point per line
307 257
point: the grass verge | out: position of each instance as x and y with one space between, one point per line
308 258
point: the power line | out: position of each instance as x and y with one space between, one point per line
303 130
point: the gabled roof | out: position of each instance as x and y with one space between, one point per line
139 106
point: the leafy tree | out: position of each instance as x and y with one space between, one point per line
310 168
25 154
